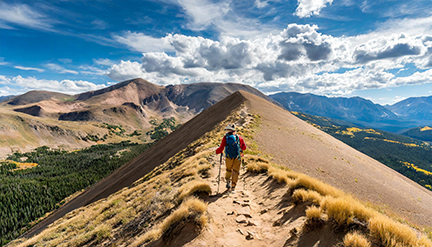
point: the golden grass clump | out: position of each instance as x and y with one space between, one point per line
279 175
392 233
193 187
338 209
102 231
190 210
258 167
356 239
302 195
313 213
425 241
254 158
360 211
315 218
304 181
149 236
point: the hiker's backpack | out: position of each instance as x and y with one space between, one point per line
232 147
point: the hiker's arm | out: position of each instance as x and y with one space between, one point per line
222 146
242 144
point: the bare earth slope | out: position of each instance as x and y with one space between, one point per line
148 160
306 149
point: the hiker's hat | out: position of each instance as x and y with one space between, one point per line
230 127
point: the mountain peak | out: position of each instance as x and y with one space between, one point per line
35 96
143 87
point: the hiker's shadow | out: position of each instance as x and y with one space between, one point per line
292 214
323 236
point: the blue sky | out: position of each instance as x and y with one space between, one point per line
380 50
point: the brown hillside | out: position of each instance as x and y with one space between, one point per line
37 96
150 159
134 90
306 149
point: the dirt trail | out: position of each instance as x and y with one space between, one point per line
260 213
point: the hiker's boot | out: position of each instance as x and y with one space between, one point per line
228 184
232 190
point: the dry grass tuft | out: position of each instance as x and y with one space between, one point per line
258 167
279 175
302 195
190 210
204 167
356 239
315 218
338 209
313 213
392 233
193 187
360 212
425 241
304 181
255 158
103 231
149 236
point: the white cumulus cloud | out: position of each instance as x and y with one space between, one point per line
307 8
142 43
299 58
126 70
19 83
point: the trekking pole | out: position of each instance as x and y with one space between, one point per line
219 176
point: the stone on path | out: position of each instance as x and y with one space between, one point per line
250 235
244 211
241 219
251 223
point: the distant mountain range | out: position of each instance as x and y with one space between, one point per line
417 108
39 118
6 98
409 113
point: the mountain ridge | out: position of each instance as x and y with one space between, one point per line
419 108
356 110
130 104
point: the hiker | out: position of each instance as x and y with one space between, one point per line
233 145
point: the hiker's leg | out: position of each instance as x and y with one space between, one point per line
235 171
229 166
